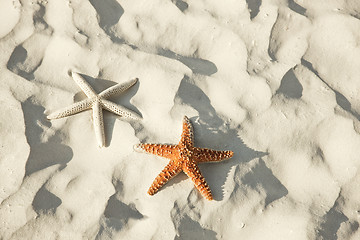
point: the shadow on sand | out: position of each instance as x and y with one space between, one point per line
254 7
212 132
117 214
341 100
43 154
109 13
187 228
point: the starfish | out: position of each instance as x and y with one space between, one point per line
183 157
97 102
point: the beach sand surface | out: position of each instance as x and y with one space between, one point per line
275 81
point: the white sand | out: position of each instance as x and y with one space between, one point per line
275 81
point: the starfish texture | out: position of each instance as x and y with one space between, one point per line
183 157
97 102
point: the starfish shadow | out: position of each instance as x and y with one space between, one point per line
123 99
42 154
209 131
216 173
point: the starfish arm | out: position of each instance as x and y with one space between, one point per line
85 87
187 136
119 110
209 155
98 124
192 171
72 109
118 88
162 150
166 174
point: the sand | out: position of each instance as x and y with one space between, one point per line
275 81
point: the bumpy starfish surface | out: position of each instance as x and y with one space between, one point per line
183 157
97 102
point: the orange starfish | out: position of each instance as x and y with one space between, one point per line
183 157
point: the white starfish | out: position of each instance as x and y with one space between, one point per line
97 102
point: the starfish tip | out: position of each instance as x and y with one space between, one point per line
138 148
150 193
136 117
231 153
